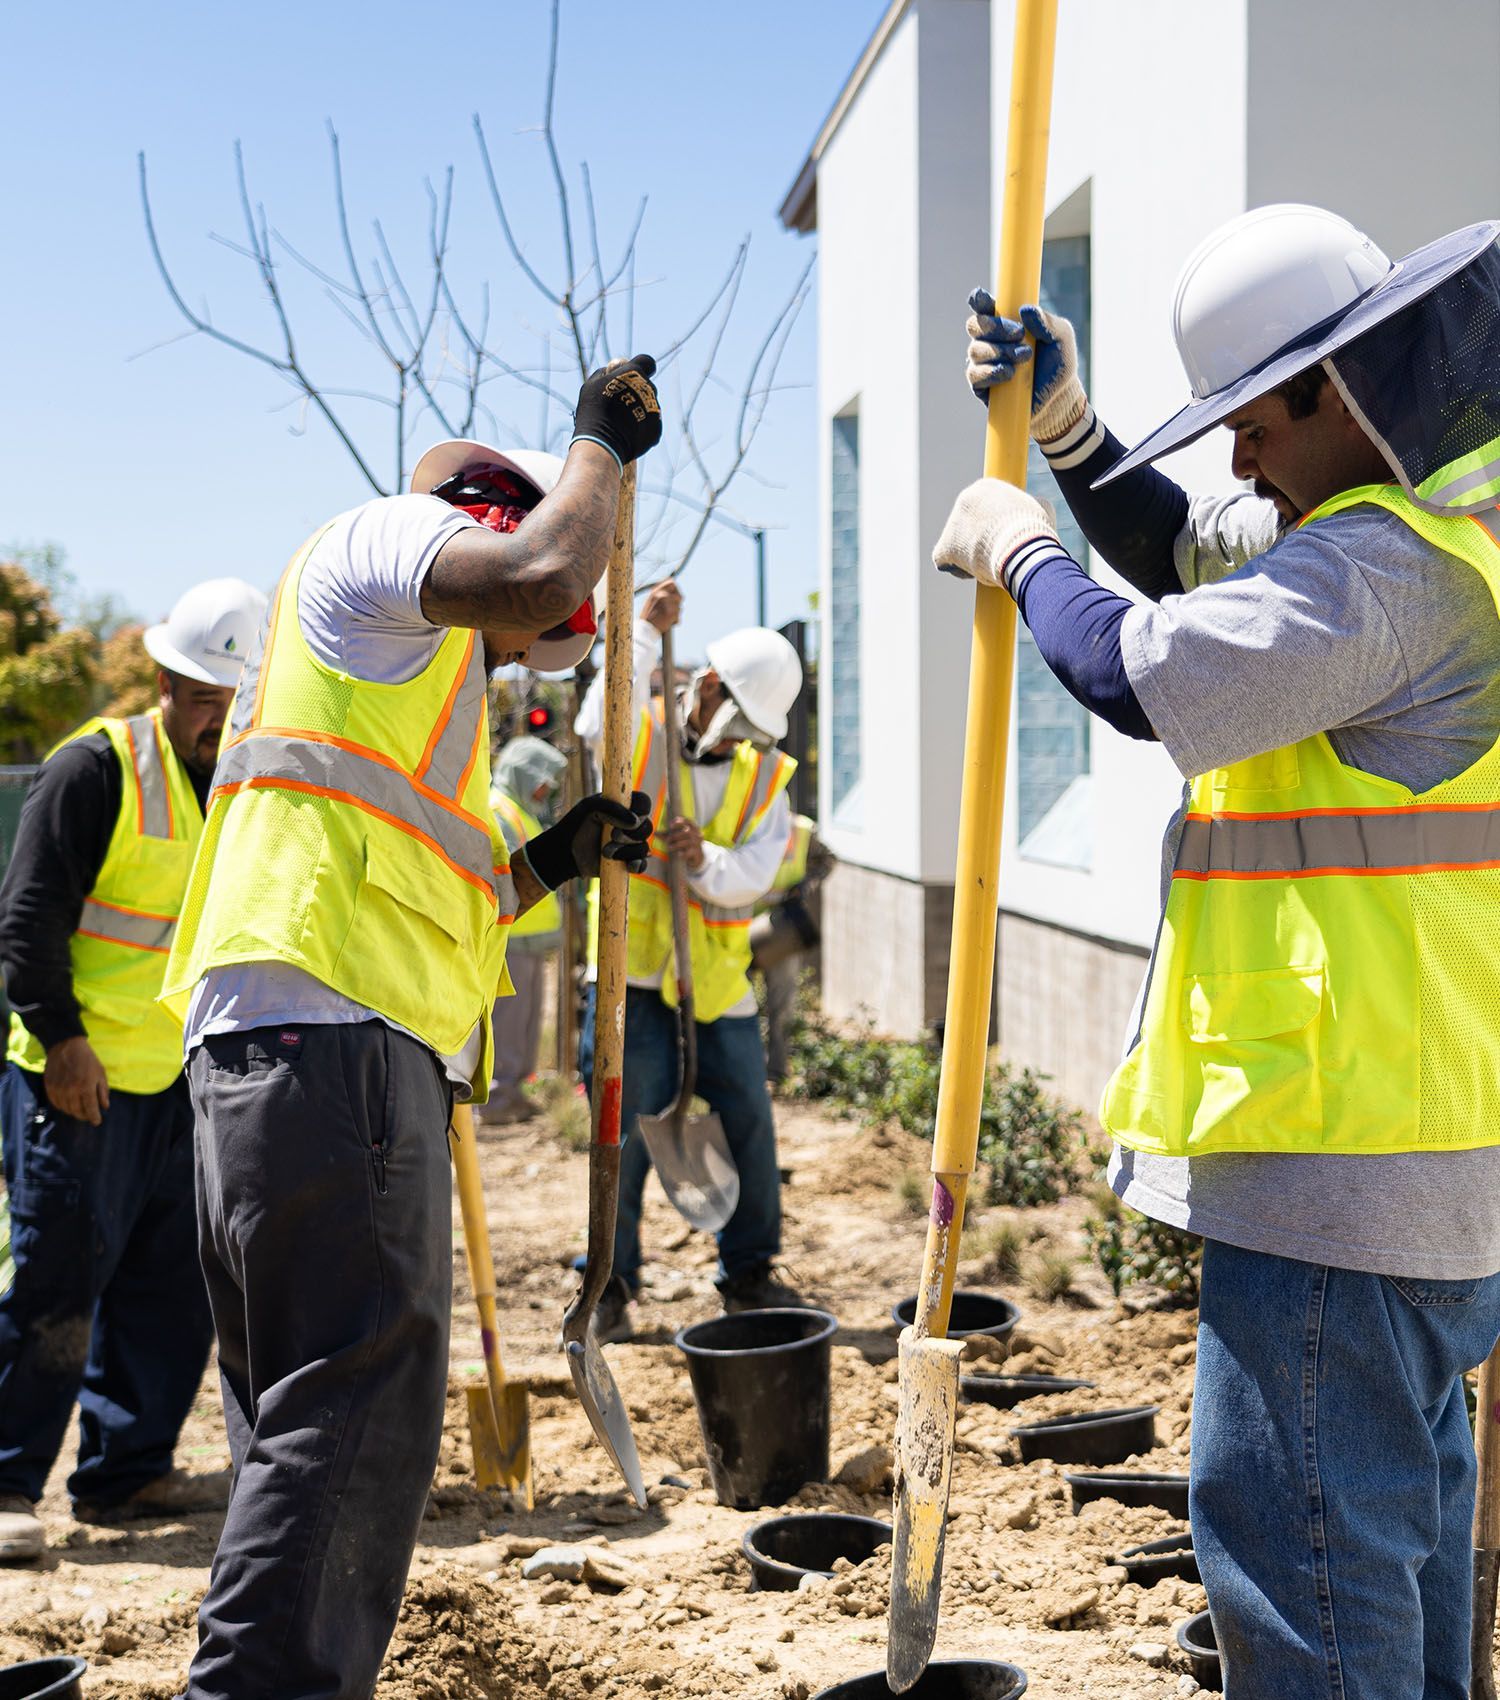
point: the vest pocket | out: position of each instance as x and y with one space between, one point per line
1252 1055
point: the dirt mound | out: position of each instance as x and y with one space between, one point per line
457 1639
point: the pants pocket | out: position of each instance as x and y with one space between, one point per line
1427 1293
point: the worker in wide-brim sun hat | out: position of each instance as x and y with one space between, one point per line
342 942
107 1300
1312 1078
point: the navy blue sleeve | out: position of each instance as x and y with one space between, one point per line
1132 523
1076 624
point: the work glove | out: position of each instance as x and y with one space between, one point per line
995 533
997 346
617 407
571 849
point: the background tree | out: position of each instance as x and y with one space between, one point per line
48 671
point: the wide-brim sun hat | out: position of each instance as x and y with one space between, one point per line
1413 348
560 649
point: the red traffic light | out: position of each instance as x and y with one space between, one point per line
539 719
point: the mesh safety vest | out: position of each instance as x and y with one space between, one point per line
349 834
124 934
793 869
543 917
1327 975
718 938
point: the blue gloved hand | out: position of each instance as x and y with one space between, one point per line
997 346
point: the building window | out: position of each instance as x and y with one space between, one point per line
843 614
1052 730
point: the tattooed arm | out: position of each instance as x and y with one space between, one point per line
532 579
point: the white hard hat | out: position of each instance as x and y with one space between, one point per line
760 670
209 632
559 650
1263 281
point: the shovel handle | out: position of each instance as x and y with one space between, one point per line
465 1152
1487 1450
682 944
614 899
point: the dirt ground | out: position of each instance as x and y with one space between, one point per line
1025 1579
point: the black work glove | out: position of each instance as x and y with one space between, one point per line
617 407
571 849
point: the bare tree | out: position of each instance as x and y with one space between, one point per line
438 362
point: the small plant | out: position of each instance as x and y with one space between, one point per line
1001 1245
1052 1275
912 1189
1131 1248
567 1111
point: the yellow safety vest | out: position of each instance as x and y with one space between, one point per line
349 834
125 932
793 869
718 938
1327 975
543 917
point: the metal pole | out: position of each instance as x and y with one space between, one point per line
760 578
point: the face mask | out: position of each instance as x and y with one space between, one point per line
728 721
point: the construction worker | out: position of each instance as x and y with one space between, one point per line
107 1306
1313 1080
731 837
784 931
527 774
339 950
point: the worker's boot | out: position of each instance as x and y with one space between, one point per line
21 1533
757 1288
612 1322
176 1494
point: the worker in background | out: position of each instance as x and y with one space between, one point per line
107 1306
527 774
785 930
1313 1080
732 839
336 961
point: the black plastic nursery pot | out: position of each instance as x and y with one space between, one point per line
947 1679
43 1679
1094 1437
1157 1560
783 1550
760 1381
971 1313
1196 1638
1131 1487
1004 1391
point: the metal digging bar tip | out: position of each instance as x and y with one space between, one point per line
597 1392
690 1154
928 1360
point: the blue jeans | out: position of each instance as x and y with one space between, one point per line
732 1081
1333 1476
108 1306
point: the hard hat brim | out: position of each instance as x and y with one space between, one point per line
1408 281
161 650
442 460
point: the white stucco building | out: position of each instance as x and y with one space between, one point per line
1169 116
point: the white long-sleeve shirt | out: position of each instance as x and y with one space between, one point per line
731 877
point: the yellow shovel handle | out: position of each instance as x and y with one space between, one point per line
971 972
462 1144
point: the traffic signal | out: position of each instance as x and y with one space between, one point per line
539 720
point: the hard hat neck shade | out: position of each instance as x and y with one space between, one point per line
1424 404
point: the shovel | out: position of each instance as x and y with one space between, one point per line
597 1392
928 1361
499 1422
1486 1530
690 1154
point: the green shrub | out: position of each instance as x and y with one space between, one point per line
1030 1143
1052 1275
1129 1248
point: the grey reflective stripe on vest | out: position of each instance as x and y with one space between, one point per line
454 750
1399 841
1490 520
150 778
127 927
272 759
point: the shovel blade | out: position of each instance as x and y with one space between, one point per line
693 1161
501 1441
924 1473
601 1399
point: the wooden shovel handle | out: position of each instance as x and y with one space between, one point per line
1487 1448
682 944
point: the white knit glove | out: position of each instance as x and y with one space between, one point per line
997 346
995 533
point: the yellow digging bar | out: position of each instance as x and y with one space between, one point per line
929 1361
499 1423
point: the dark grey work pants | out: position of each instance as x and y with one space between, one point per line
325 1228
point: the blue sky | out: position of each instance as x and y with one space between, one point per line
155 461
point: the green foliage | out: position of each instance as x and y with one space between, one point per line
1129 1248
1052 1274
1030 1143
1000 1245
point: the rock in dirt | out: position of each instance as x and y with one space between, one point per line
94 1619
1149 1652
564 1564
866 1469
1072 1604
